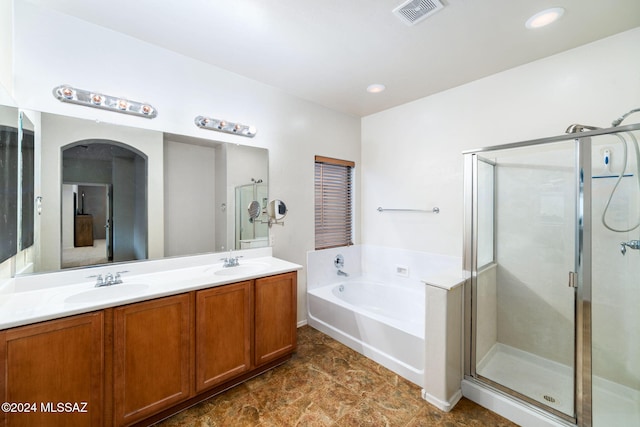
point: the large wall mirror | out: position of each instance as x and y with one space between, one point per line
9 173
114 193
16 179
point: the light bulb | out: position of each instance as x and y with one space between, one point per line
96 99
67 92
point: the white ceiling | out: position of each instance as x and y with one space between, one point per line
329 51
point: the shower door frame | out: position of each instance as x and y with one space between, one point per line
583 262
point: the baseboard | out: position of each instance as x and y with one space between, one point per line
443 405
302 323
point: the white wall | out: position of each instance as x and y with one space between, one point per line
54 49
6 44
189 198
411 154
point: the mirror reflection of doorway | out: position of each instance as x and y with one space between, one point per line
104 203
86 236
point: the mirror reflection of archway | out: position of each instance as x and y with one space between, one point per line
104 203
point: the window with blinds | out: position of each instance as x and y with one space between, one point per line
334 202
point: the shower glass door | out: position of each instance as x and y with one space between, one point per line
615 307
524 310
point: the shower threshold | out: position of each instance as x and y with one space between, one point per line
551 383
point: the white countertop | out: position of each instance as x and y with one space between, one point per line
40 297
444 281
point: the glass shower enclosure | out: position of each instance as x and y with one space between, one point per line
250 233
551 250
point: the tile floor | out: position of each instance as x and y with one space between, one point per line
328 384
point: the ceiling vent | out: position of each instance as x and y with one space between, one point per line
413 11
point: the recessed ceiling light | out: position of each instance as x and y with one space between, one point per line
376 88
544 17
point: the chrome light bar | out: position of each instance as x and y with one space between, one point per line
225 126
65 93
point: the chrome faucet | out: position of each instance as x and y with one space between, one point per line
99 280
109 279
231 261
338 262
631 244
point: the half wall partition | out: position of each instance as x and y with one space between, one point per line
552 319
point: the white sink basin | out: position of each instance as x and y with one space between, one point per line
107 293
242 269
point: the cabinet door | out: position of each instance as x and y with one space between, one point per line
55 367
151 357
275 317
223 333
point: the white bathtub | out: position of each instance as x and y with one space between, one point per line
381 321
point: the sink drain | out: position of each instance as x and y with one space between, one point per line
549 399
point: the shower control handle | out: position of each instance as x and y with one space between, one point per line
631 244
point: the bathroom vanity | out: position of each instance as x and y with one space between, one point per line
146 353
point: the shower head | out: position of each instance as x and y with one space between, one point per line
619 120
575 128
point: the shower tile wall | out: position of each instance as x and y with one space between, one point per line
534 309
487 324
616 278
535 251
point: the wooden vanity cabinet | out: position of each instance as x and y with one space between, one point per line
224 317
151 357
137 363
275 317
56 367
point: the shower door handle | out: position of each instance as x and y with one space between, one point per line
573 279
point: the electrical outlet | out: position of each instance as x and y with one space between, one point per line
402 270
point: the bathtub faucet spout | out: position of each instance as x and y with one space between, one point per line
342 273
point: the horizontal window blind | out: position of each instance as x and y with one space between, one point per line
333 202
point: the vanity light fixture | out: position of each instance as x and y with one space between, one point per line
225 126
87 98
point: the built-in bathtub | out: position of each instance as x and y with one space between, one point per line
399 307
383 321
